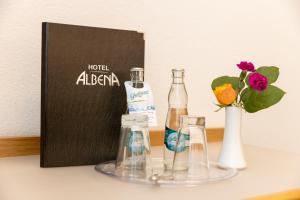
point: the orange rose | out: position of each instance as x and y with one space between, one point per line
225 94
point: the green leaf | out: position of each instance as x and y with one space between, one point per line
234 81
245 98
247 80
249 100
245 94
271 73
243 74
254 101
241 85
220 107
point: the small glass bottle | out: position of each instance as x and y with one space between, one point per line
136 79
178 100
139 96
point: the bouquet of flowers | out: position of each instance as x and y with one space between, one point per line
253 90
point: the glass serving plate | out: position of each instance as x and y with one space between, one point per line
157 176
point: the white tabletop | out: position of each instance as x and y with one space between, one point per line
268 171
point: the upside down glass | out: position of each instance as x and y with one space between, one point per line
191 155
134 147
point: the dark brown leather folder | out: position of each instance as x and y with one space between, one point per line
82 91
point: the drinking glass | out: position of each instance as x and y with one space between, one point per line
134 147
191 154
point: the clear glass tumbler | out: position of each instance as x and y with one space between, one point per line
134 147
191 154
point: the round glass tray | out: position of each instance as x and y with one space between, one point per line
157 176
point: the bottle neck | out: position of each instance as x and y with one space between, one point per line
178 75
177 80
178 96
137 79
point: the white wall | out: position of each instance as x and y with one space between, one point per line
207 37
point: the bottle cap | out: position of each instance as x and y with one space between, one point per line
177 69
137 69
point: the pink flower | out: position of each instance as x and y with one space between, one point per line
257 81
246 66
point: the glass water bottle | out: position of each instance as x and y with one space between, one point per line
136 79
178 100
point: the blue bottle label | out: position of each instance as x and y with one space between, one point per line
171 137
135 142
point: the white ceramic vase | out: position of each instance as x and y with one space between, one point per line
232 155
